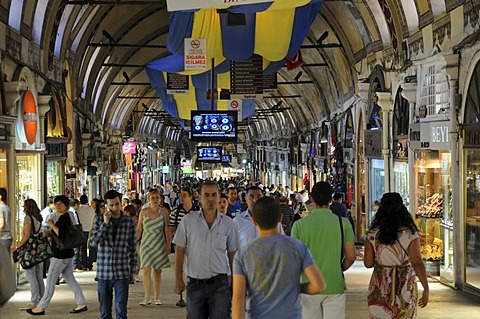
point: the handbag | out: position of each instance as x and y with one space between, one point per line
36 250
73 238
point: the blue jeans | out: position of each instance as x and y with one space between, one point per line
64 267
208 300
105 296
37 286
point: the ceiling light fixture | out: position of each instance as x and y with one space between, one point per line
109 37
322 38
298 76
127 78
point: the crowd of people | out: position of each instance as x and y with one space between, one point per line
229 238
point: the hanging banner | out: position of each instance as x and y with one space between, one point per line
177 5
235 105
195 54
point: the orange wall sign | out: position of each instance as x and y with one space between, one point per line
30 116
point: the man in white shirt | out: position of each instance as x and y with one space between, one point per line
206 237
243 221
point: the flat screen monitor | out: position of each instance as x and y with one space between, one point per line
217 126
210 154
226 158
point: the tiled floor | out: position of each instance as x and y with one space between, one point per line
444 303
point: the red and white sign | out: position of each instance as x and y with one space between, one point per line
235 105
195 54
177 5
129 148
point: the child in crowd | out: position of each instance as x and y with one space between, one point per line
267 271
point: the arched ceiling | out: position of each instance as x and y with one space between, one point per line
106 43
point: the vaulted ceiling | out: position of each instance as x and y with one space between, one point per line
105 45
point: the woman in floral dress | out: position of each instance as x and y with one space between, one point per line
393 249
155 244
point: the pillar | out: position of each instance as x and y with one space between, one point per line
409 92
385 101
11 95
43 108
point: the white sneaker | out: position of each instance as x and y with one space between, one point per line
145 302
158 302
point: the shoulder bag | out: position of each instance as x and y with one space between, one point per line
36 250
73 238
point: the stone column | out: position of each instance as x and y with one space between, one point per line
43 108
362 220
385 101
11 94
451 69
409 92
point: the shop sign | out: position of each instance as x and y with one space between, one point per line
165 169
129 148
56 148
373 143
471 137
195 54
177 83
430 135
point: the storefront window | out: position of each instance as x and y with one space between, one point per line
54 184
472 204
400 178
434 212
377 182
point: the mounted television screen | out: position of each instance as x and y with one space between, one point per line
217 126
226 158
210 154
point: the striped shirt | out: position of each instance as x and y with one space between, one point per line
177 215
116 249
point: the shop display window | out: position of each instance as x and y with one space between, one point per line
472 230
54 184
400 179
377 183
433 211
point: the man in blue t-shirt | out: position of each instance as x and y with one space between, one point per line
234 206
267 271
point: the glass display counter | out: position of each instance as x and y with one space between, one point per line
433 210
472 227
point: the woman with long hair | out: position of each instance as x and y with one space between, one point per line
32 224
155 244
61 262
393 249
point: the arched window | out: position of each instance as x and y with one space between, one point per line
15 16
472 104
435 91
